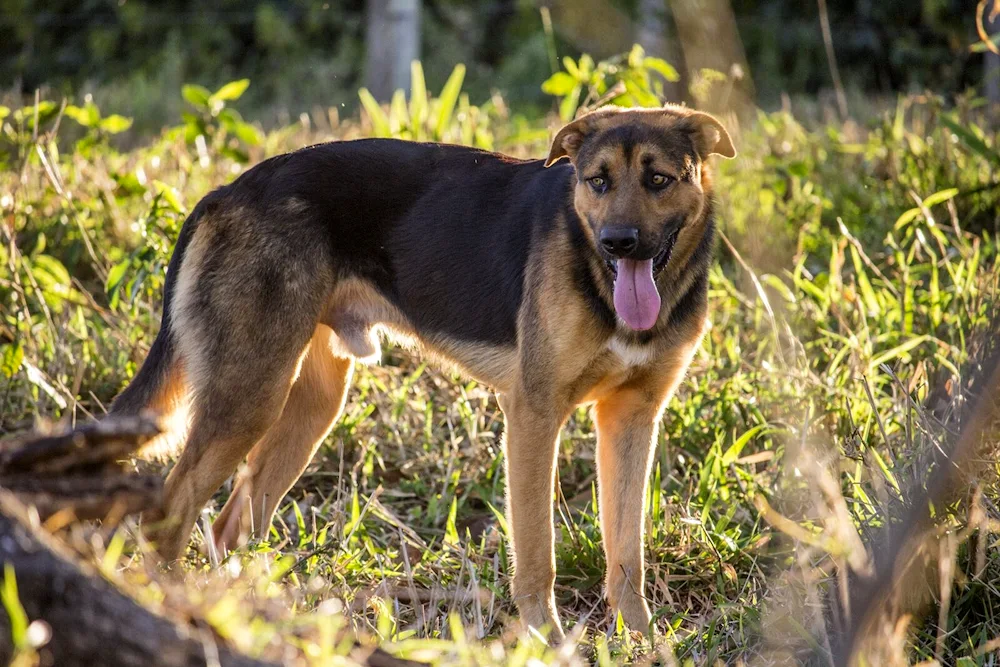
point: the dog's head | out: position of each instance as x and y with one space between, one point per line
639 183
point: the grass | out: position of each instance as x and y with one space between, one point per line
852 290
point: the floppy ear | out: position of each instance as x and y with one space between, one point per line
567 141
711 135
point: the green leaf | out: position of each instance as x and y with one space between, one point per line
736 448
399 115
53 270
355 514
380 123
245 132
10 362
93 114
567 109
867 291
971 140
559 84
501 520
114 281
196 95
169 195
897 351
44 111
248 134
642 96
78 114
907 217
448 99
418 99
231 91
114 124
573 70
662 66
15 610
113 552
300 523
450 529
636 56
940 197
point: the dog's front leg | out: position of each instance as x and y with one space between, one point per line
626 431
531 440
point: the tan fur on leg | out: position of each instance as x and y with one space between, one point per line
531 442
314 404
627 421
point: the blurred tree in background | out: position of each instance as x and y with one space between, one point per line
134 55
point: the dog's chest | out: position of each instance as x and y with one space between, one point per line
630 355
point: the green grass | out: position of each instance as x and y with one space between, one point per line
859 285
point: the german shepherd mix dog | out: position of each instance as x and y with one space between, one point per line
556 283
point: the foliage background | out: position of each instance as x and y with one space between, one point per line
850 302
133 54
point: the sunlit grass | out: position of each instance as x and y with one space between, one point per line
861 274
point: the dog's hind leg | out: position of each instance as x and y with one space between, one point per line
249 297
230 414
279 459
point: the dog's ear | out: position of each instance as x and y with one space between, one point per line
711 136
568 141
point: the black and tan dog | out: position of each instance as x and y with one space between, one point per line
555 283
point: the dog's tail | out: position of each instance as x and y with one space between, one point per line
160 386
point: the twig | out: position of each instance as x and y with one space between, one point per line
981 29
831 58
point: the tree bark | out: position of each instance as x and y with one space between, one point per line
392 42
78 474
709 37
991 66
91 621
652 33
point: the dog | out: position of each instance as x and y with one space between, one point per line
580 279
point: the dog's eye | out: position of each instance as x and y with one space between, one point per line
659 180
597 182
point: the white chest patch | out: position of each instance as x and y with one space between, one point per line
630 355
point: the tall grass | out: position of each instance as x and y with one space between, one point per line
851 293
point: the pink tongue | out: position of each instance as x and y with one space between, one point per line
636 299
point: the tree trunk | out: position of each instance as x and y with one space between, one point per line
652 33
392 42
710 39
991 66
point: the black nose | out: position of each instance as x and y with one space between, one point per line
619 241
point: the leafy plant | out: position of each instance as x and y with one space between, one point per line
217 122
447 117
632 79
99 128
868 253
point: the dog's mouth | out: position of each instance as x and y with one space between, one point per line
637 301
659 261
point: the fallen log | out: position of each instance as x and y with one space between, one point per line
90 621
86 620
82 471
